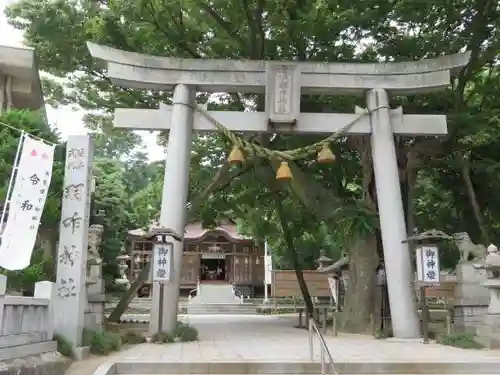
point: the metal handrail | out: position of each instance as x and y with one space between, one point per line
197 289
191 293
313 328
237 293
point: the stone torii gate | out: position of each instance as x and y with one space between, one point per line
283 83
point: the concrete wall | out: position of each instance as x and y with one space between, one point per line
26 323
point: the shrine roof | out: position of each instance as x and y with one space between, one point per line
195 231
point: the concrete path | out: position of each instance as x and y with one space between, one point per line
273 338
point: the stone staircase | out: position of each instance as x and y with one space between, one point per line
221 309
215 293
218 299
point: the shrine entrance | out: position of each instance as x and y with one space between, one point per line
283 83
213 267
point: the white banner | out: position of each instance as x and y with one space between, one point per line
26 204
269 269
334 289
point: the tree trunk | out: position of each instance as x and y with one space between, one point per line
292 256
129 295
471 194
360 293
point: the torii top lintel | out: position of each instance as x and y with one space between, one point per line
141 71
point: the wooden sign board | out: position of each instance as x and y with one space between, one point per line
285 284
443 289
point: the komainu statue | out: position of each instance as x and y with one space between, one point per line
467 248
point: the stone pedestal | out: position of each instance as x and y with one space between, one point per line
95 283
94 312
488 333
471 298
94 309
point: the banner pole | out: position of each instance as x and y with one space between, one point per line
11 181
266 271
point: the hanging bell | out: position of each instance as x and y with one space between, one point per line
325 155
236 156
284 173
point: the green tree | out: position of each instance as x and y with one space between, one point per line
445 182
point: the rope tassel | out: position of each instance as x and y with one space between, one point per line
236 156
325 155
284 172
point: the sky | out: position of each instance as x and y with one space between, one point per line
67 120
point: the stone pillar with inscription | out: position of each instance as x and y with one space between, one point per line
73 243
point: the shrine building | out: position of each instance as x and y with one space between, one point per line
218 255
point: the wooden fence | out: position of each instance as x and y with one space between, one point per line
285 284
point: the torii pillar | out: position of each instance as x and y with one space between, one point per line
283 83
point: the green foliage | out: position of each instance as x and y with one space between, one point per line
131 337
182 332
41 268
163 338
63 346
185 332
459 340
101 342
330 208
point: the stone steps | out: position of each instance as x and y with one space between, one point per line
221 309
296 368
214 293
27 349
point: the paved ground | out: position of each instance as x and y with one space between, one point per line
273 338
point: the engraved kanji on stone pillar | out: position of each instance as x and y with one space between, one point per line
282 92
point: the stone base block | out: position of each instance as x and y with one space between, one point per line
488 333
475 291
94 312
298 368
489 342
51 363
468 317
82 352
467 273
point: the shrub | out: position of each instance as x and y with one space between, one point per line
63 346
163 338
182 332
185 332
101 343
460 340
131 337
